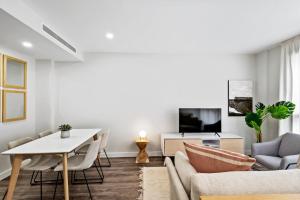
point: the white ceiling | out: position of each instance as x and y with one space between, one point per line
14 32
172 26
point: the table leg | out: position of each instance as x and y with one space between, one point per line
14 176
66 180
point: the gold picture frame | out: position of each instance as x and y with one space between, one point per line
6 76
13 109
1 70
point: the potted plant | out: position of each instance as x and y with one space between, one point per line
65 130
279 110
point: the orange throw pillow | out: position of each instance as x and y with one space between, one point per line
211 160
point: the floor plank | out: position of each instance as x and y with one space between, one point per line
121 182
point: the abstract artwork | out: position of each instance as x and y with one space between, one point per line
240 98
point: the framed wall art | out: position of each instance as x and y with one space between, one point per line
240 97
13 105
13 82
14 73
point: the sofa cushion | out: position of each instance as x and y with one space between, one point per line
210 160
247 182
289 145
185 170
270 162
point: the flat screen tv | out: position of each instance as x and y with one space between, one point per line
200 120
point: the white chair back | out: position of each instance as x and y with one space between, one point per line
45 133
104 138
91 154
18 142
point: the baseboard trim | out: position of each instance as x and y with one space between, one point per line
5 174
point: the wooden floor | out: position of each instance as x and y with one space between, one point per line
120 182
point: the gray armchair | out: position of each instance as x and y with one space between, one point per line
280 153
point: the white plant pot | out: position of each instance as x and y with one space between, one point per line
65 134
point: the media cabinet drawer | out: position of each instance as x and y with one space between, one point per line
174 145
233 144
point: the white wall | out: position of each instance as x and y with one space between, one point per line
131 92
45 95
267 86
13 130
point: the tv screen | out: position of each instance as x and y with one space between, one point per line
198 120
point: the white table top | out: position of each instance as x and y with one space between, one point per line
54 144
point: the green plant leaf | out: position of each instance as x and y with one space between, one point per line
260 106
65 127
281 109
261 110
253 120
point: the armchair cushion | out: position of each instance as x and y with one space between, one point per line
270 162
289 145
270 148
285 161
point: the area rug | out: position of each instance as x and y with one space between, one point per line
154 184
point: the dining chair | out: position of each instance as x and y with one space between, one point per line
103 146
45 133
37 163
82 163
104 134
33 180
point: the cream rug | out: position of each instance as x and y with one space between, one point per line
154 184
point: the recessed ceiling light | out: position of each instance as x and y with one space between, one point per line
109 36
27 44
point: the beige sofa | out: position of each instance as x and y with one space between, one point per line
186 183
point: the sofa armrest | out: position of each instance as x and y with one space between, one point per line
177 191
289 162
184 169
266 148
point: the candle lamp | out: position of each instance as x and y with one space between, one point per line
142 135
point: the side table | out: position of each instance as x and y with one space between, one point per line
142 156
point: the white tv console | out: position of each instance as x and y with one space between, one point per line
173 142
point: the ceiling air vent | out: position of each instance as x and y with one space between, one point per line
58 38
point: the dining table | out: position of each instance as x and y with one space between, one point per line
49 145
